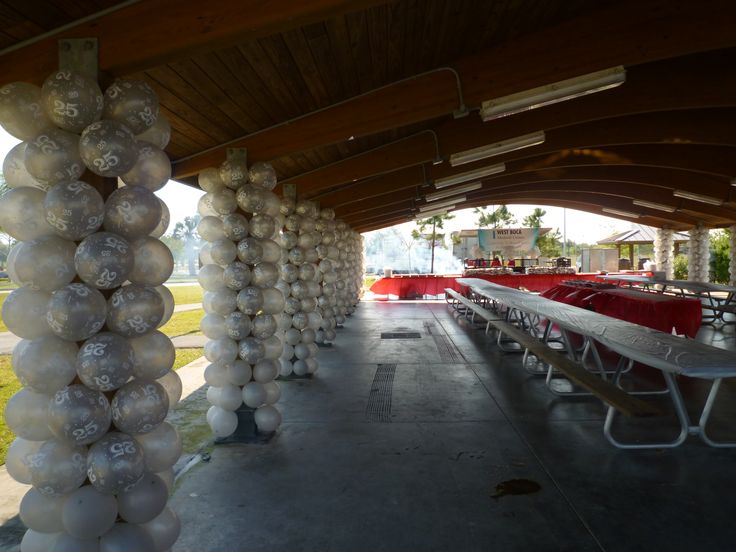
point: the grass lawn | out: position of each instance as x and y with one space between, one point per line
185 356
183 323
3 297
8 386
186 295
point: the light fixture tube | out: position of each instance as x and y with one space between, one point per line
430 214
657 206
553 93
710 200
499 148
439 204
620 213
452 191
469 175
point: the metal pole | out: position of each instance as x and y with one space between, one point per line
564 232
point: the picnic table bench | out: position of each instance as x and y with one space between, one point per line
670 354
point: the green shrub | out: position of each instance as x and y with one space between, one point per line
681 267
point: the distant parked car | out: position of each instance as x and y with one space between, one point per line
3 274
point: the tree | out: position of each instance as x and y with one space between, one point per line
186 231
550 245
535 219
407 242
498 218
720 257
433 239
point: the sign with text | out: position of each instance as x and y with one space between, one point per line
521 239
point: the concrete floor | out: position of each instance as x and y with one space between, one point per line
399 445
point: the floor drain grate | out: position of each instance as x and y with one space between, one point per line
400 335
445 347
378 408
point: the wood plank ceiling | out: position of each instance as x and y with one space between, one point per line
353 101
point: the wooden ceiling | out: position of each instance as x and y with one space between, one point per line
353 100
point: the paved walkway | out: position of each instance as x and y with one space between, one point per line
187 307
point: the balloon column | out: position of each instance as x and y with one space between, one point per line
664 249
699 255
240 222
91 435
301 279
329 255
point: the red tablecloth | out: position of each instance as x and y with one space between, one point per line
654 310
414 286
409 287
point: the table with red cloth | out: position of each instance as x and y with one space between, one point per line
654 310
409 287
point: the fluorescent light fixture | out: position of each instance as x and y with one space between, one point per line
470 175
553 93
657 206
499 148
452 191
439 204
429 214
710 200
620 213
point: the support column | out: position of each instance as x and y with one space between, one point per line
664 256
699 256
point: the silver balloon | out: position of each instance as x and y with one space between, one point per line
250 250
14 169
46 263
74 209
262 226
159 134
238 372
209 180
288 204
104 260
164 529
163 224
251 350
222 422
144 500
46 363
289 273
132 211
236 275
139 406
228 397
54 156
238 325
267 418
41 513
204 254
234 173
223 252
224 349
167 476
254 394
250 300
222 302
264 326
114 463
273 347
205 207
26 414
171 382
134 310
34 541
211 229
152 169
265 275
223 202
76 312
58 468
210 277
251 199
262 175
79 415
273 392
213 326
22 215
105 361
24 313
168 298
132 103
215 374
273 301
265 370
18 459
71 100
161 447
21 113
271 251
153 262
235 226
154 355
88 513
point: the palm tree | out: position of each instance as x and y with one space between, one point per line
535 219
500 217
433 238
187 232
